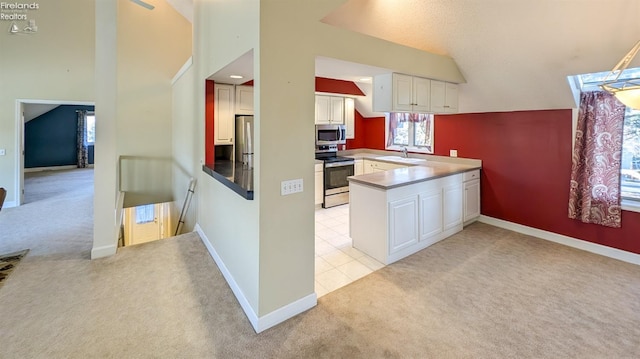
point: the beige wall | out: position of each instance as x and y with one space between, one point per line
223 31
138 53
56 63
268 244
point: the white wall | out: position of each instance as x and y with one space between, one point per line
55 63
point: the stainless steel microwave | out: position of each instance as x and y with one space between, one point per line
331 135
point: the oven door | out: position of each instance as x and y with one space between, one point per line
336 185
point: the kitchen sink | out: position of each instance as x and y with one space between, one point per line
401 159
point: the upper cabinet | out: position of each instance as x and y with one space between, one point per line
244 100
404 93
444 97
329 110
224 114
349 117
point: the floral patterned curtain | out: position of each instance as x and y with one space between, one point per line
82 148
594 195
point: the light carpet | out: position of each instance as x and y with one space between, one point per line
483 293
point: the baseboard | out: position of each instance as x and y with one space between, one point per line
50 168
265 322
9 204
104 251
610 252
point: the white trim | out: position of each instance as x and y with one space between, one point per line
632 206
9 204
50 168
182 70
610 252
104 251
288 311
265 322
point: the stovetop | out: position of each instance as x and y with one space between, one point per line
329 157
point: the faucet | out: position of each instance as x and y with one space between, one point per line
405 154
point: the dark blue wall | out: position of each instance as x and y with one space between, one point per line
50 139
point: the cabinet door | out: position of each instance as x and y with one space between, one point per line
421 94
349 117
323 110
358 168
319 184
368 166
224 114
430 213
402 92
471 200
452 206
337 110
403 223
451 98
244 100
437 96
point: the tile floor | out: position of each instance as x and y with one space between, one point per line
337 262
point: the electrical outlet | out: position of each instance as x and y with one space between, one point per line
291 186
453 153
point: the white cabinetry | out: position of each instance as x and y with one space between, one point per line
329 110
471 196
224 114
371 166
403 223
358 167
391 224
244 100
444 97
401 93
319 183
349 117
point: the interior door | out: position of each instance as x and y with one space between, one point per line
145 224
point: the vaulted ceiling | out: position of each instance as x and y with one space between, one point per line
514 54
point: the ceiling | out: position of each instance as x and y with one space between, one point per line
514 54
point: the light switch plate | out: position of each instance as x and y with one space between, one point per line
453 153
2 152
291 186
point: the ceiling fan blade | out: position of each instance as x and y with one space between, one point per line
144 4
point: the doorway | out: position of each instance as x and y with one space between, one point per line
146 223
38 110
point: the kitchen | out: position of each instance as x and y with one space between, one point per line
341 151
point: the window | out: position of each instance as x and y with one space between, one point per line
145 213
630 166
411 130
91 128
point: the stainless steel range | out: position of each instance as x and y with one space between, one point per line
336 171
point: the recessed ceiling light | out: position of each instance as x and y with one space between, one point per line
236 77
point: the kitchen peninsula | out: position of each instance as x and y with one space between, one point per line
398 212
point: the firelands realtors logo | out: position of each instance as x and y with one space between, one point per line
19 14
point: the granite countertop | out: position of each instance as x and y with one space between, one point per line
412 174
233 175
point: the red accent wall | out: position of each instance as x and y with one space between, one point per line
526 159
208 124
369 133
324 84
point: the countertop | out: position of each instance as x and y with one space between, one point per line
412 174
233 175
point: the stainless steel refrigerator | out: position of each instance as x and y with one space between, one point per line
244 141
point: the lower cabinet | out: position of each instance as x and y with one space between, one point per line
319 183
371 166
389 225
358 167
471 196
